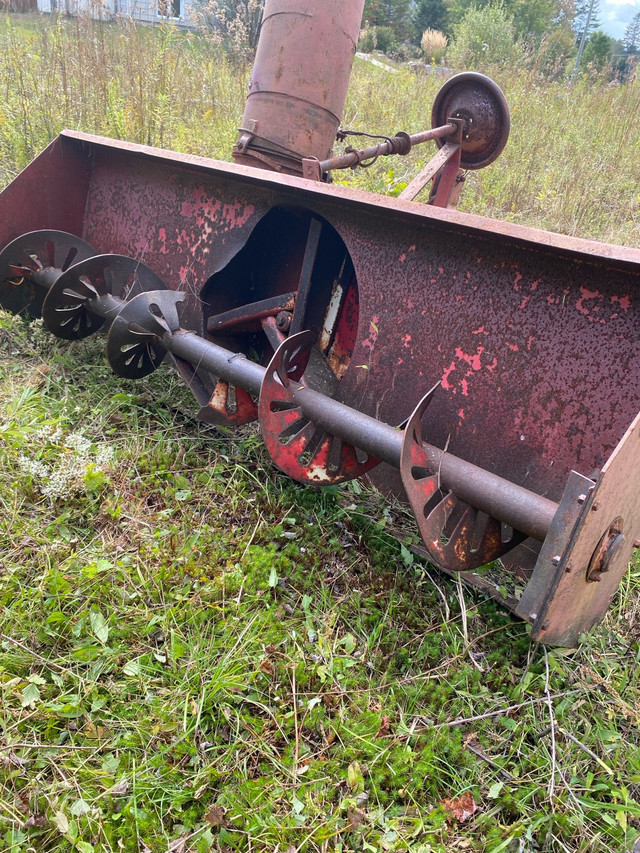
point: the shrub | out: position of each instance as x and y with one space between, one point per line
376 38
433 43
485 36
404 52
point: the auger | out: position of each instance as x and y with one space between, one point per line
484 372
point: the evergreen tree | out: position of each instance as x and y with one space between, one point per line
390 13
582 15
631 41
430 15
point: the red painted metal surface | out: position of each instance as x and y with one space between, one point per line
298 446
533 337
456 534
299 82
609 516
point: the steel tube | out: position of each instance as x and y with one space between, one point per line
230 366
397 145
514 505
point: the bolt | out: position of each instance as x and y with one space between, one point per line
596 506
636 544
581 499
556 560
568 568
283 320
545 625
533 616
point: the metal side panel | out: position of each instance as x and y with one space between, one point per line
533 336
51 192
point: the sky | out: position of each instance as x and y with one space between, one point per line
615 15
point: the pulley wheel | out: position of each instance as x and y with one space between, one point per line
479 102
108 279
31 263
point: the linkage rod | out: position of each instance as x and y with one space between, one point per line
402 143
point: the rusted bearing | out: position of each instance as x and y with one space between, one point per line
479 102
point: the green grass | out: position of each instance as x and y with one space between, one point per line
193 647
198 654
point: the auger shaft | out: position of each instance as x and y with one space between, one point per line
514 505
499 498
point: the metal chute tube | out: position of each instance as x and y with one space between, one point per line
299 82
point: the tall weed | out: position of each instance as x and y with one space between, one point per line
570 165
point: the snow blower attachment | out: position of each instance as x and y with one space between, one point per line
508 356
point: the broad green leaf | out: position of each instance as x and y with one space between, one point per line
61 822
79 808
30 695
349 643
355 779
407 556
99 626
495 789
132 667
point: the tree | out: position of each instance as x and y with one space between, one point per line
631 40
597 53
390 13
582 19
431 15
533 18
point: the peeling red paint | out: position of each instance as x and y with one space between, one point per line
445 377
589 311
472 360
623 301
370 341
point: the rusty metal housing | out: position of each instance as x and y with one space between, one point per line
485 372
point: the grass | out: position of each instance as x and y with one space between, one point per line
570 165
198 654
